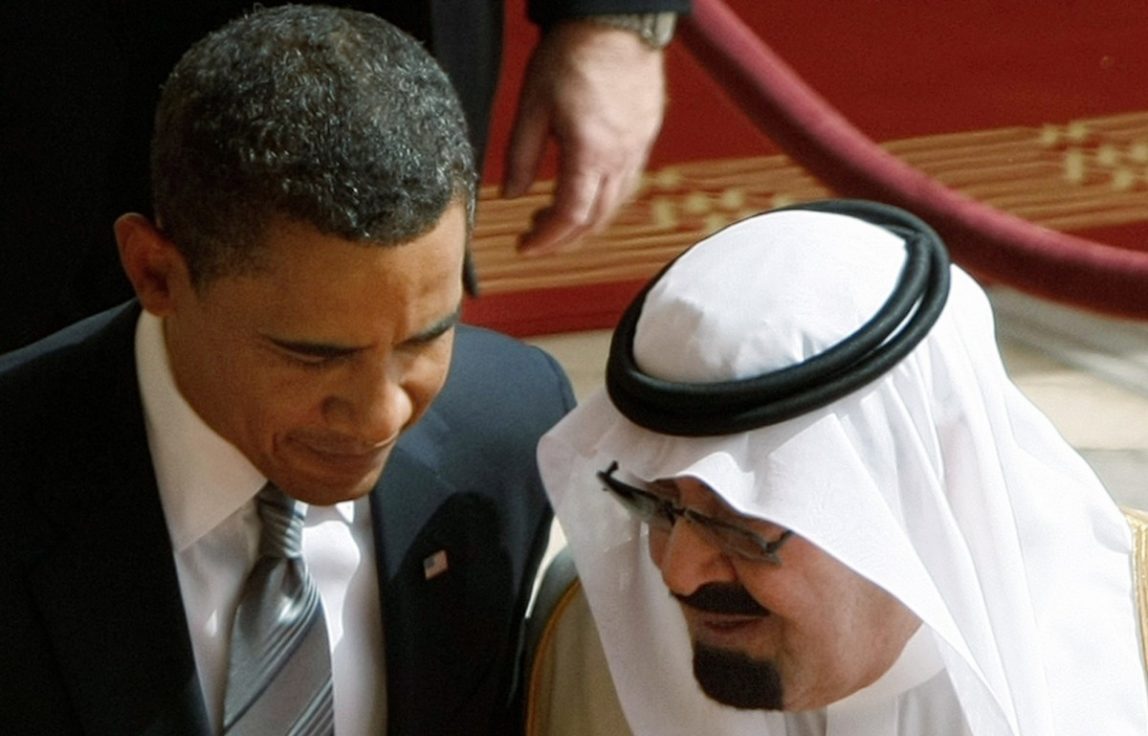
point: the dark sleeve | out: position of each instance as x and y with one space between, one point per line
94 639
546 12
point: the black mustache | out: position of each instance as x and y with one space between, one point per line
723 598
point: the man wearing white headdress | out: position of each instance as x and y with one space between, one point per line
811 502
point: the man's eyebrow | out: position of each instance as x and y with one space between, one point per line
329 350
668 489
314 349
664 487
436 330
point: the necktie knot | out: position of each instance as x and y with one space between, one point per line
282 519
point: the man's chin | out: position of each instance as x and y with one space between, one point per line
736 679
327 489
328 479
324 495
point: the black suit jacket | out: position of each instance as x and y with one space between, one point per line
93 637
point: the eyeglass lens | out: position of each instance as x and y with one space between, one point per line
660 513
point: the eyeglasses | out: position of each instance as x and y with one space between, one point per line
660 514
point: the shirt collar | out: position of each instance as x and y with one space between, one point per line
203 479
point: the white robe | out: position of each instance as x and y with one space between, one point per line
939 482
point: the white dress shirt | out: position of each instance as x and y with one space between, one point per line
207 488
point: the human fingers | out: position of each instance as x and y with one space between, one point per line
568 217
525 150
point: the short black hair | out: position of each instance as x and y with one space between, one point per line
313 114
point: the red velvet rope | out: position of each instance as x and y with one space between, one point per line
991 243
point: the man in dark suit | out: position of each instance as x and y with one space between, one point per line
80 82
295 327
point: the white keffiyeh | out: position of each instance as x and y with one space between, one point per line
939 482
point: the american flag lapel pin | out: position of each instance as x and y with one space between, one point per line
435 565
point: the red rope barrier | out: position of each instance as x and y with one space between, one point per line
1005 248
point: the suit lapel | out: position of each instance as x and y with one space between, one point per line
107 588
443 580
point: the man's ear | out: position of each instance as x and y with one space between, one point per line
152 263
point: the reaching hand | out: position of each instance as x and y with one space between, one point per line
600 92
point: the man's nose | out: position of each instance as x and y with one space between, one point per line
688 559
372 405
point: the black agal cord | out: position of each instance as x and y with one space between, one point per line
728 407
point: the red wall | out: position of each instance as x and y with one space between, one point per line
901 68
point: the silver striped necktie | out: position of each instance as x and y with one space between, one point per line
279 676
